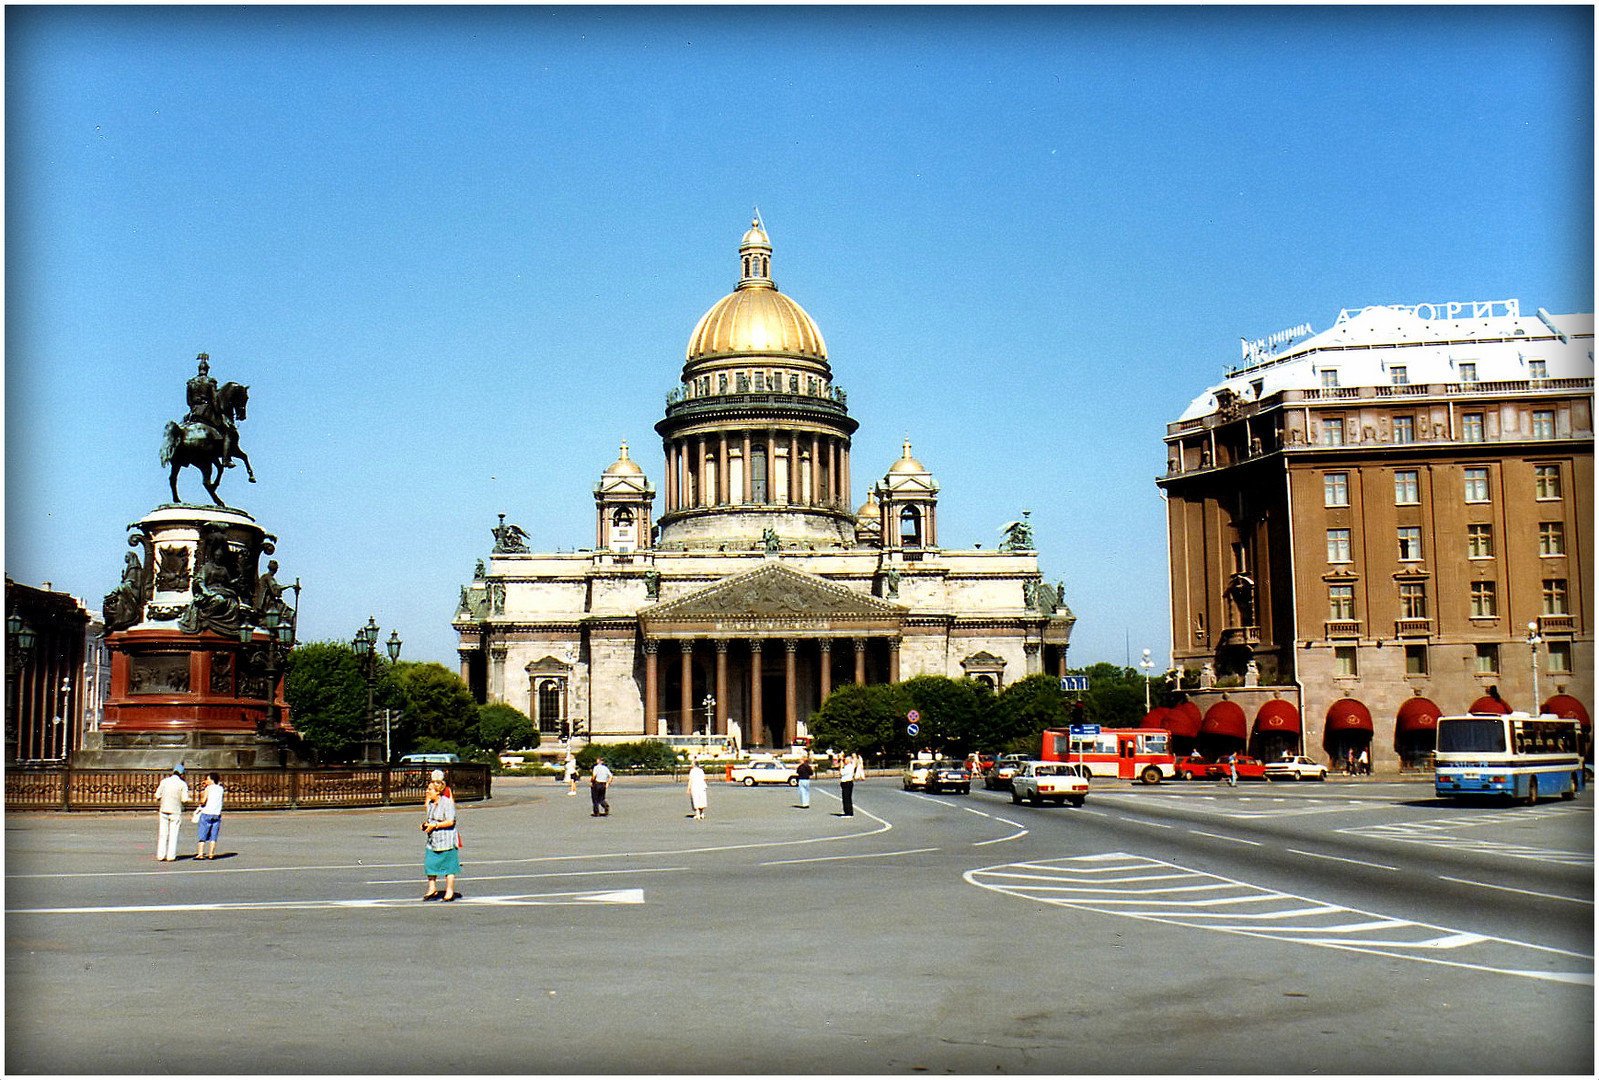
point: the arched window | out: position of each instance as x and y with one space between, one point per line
549 705
622 518
910 527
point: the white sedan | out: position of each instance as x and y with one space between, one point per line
1056 781
1298 768
765 771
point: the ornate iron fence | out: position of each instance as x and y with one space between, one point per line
247 789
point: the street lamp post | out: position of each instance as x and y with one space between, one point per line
365 647
272 659
20 640
709 703
1148 665
1533 641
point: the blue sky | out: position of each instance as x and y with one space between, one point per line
457 253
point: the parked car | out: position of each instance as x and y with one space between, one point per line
1056 781
935 776
763 771
998 778
1299 768
1195 767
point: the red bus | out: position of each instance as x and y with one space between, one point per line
1128 753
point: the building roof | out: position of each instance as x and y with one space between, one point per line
1430 341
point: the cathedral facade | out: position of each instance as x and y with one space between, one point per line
756 586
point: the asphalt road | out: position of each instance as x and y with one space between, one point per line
1346 927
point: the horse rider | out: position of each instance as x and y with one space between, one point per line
201 393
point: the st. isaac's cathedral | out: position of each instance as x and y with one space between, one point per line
756 586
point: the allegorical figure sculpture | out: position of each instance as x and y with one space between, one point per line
509 539
124 605
214 603
208 437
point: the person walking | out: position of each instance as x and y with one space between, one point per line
803 774
209 817
599 780
853 768
698 791
170 795
571 773
443 854
1232 770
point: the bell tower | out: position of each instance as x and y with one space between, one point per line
622 502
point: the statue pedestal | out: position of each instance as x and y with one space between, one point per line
187 682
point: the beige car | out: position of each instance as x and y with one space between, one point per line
1058 782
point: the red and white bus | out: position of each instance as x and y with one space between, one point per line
1142 754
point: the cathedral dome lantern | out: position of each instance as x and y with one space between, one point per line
622 502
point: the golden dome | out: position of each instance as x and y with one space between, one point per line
870 510
755 319
907 464
624 466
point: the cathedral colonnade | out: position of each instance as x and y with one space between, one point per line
762 686
762 466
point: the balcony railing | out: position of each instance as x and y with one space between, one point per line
1343 628
1412 627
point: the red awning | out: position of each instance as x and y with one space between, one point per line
1225 718
1184 720
1277 716
1486 704
1417 714
1347 714
1564 705
1156 717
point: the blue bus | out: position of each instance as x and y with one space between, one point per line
1517 756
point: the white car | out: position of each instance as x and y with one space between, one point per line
1056 781
764 771
1299 768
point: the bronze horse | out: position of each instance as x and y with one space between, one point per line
207 448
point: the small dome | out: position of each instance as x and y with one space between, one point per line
870 510
906 463
624 466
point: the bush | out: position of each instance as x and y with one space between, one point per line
647 756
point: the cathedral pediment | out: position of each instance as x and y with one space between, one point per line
772 599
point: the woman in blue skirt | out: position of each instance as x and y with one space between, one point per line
443 857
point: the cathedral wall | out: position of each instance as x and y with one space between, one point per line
615 696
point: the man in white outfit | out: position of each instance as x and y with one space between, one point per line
170 796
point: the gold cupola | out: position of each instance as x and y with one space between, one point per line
755 320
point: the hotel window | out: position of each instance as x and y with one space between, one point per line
1471 427
1487 658
1329 378
1546 481
1337 545
1479 541
1409 543
1415 659
1340 602
1537 369
1551 538
1543 424
1335 489
1554 596
1344 663
1407 487
1400 375
1559 657
1404 429
1412 600
1332 432
1484 600
1476 485
1468 372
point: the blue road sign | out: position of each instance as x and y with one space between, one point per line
1073 683
913 729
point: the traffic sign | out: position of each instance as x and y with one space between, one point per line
1073 683
913 716
1085 729
913 729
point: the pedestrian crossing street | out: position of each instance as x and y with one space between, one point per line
1137 887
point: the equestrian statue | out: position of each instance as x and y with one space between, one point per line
208 437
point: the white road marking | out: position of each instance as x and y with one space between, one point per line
1000 839
604 896
1440 833
1234 839
1336 858
1523 892
839 858
1137 887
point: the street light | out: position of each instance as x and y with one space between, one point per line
272 659
365 648
20 640
1148 665
709 703
1533 641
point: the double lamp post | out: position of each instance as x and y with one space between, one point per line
374 749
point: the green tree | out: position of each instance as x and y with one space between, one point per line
863 720
952 713
1115 695
502 727
1024 709
326 694
436 707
